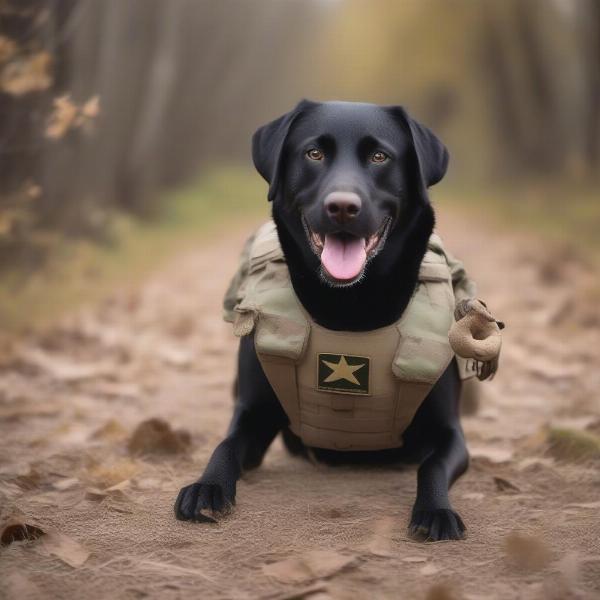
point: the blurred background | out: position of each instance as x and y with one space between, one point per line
125 126
126 192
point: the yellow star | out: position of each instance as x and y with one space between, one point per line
342 370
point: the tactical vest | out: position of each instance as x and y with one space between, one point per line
339 389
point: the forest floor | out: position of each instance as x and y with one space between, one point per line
99 500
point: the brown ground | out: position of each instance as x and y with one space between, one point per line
70 399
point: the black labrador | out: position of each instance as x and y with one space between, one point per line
339 172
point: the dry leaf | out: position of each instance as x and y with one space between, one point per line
111 430
526 552
65 548
311 565
381 541
114 493
24 74
414 559
62 369
66 483
29 481
495 454
17 529
176 357
62 119
91 109
107 475
503 485
155 436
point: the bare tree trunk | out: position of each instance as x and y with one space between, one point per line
592 64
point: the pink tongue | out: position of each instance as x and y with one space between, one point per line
343 258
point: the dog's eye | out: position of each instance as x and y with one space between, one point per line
379 157
315 154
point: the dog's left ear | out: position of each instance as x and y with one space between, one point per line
267 145
431 154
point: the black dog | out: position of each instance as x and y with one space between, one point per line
342 172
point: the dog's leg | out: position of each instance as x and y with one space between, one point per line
257 419
433 517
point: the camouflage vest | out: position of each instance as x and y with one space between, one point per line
343 390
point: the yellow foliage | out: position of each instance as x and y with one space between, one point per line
24 74
67 115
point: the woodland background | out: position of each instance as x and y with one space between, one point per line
126 193
107 106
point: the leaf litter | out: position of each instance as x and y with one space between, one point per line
135 370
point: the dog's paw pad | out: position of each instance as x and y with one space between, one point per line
202 502
435 525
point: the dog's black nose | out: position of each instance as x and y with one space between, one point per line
342 207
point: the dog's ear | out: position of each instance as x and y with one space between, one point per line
431 154
267 145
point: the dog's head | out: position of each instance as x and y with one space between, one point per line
345 177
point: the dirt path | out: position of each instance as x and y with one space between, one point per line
70 399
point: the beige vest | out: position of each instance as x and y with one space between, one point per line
344 390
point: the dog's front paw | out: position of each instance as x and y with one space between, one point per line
202 502
435 525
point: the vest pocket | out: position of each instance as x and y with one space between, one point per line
421 359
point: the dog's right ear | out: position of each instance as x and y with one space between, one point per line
268 142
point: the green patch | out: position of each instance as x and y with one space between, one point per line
343 373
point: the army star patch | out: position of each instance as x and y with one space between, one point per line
343 373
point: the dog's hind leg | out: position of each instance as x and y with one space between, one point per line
433 517
257 419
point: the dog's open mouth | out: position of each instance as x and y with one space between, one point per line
344 256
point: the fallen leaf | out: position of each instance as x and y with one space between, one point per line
62 118
494 454
111 430
107 475
526 552
62 369
65 548
176 357
155 436
381 542
66 483
26 73
30 481
503 485
17 529
316 564
316 591
91 108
